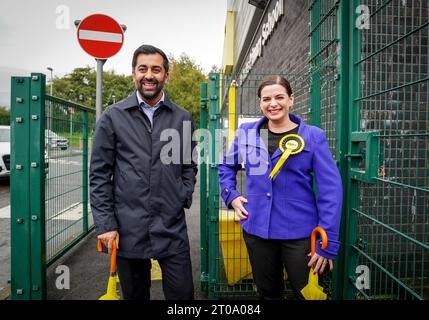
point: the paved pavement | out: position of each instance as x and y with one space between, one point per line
4 238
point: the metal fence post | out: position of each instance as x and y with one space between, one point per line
203 189
350 257
342 132
85 172
37 189
213 196
20 189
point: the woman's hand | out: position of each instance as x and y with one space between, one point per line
237 204
319 263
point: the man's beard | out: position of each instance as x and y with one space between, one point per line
152 94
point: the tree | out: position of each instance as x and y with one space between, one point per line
183 87
215 69
80 86
184 84
4 116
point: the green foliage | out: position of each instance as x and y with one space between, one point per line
4 116
79 86
184 85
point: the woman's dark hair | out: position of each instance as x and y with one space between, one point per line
268 81
148 49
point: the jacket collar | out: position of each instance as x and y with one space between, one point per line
303 131
132 102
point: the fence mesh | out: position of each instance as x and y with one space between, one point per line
393 101
67 210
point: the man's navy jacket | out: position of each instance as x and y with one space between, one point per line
132 190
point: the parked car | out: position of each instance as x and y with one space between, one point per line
55 141
5 153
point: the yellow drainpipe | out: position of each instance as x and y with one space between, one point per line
231 114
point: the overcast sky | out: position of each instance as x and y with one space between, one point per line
36 34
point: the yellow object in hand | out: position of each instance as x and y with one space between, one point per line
112 292
313 291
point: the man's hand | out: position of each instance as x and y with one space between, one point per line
107 239
237 204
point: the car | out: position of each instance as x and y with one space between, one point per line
55 141
5 153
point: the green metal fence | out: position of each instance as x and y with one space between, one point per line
50 143
369 59
328 65
388 173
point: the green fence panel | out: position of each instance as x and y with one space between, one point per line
329 67
51 139
387 232
68 143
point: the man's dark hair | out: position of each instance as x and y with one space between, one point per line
148 49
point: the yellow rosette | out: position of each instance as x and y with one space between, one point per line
289 144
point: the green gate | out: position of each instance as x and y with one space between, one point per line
387 234
329 71
369 71
50 142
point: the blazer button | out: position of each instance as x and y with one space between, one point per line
268 195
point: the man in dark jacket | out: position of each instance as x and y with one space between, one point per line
142 176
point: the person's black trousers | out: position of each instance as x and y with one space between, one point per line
177 283
268 257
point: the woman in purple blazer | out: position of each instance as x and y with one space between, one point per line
280 211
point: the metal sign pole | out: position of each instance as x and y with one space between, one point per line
100 19
99 88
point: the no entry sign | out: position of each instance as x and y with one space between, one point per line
100 36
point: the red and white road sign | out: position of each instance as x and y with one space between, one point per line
100 36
